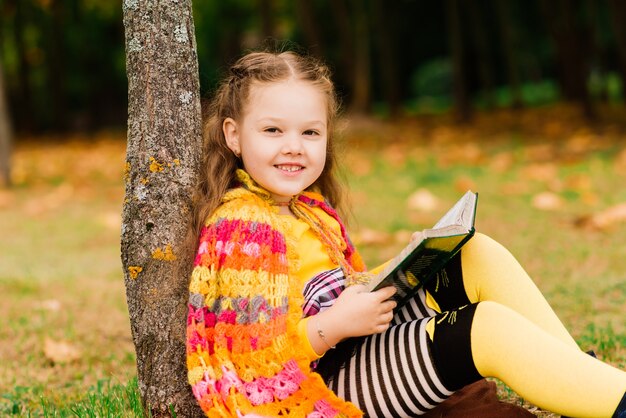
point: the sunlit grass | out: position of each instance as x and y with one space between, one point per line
104 399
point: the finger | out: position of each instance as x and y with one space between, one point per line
382 328
386 292
358 288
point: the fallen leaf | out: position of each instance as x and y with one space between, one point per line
540 152
60 351
7 198
620 162
403 236
604 219
395 154
111 220
464 183
373 237
547 201
515 188
579 182
358 164
423 200
501 162
51 305
540 172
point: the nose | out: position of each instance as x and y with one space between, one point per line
292 144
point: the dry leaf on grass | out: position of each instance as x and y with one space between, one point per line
52 305
7 198
464 183
540 172
423 200
547 201
112 220
372 237
604 219
501 162
60 351
403 236
620 162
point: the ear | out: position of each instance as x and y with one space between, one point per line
231 134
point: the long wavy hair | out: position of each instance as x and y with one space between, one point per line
219 163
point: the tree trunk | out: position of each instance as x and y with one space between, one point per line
572 52
484 63
56 66
361 93
23 101
508 45
460 93
343 26
5 135
617 12
305 15
164 139
384 19
266 14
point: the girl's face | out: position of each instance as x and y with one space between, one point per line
282 136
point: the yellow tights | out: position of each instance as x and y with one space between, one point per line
517 338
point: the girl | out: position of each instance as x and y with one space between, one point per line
277 284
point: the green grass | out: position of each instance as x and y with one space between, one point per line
105 399
61 278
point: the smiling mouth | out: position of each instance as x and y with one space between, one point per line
289 168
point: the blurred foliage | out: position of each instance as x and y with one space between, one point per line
64 60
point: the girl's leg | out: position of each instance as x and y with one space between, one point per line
491 339
542 368
391 374
417 364
489 272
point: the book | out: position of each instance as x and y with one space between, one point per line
420 261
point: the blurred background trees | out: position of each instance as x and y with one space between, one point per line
63 60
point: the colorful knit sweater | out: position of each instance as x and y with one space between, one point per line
244 355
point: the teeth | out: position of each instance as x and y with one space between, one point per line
290 168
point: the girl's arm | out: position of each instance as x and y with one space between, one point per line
356 312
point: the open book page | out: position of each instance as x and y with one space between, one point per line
423 258
459 218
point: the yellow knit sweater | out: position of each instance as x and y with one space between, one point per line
245 356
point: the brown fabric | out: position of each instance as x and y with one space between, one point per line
477 400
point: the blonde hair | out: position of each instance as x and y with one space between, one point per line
218 164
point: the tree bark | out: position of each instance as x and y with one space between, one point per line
572 52
6 137
343 27
477 23
164 139
266 14
306 17
508 45
56 66
384 18
23 100
617 12
362 87
463 111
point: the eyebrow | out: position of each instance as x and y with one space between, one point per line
270 119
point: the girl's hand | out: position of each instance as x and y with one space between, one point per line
356 312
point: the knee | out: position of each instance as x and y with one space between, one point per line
483 243
491 309
493 320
